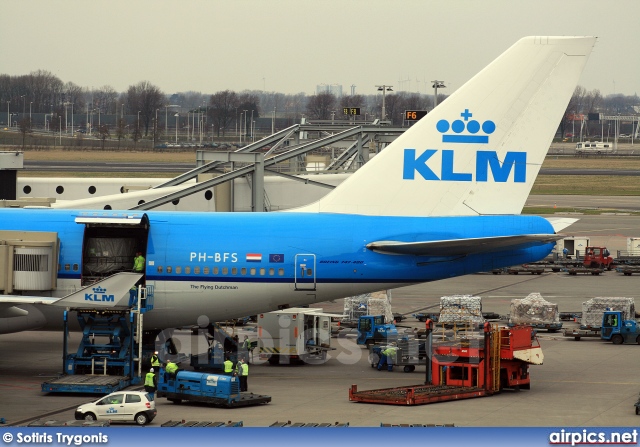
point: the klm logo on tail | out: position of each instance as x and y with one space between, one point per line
99 294
485 161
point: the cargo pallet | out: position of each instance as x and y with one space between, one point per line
628 270
415 395
583 270
308 424
81 383
202 424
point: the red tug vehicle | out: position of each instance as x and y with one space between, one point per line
498 358
597 257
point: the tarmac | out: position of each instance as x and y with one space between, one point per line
581 383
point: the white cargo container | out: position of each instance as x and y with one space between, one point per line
633 246
296 334
575 245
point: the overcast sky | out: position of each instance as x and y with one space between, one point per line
290 46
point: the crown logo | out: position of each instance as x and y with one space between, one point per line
472 127
99 290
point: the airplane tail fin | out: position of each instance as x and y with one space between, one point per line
480 150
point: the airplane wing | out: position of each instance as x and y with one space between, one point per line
461 247
560 223
110 292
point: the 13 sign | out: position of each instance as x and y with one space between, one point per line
351 110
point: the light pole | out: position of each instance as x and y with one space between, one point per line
8 115
251 126
245 125
436 86
273 121
30 112
176 115
384 88
23 105
71 117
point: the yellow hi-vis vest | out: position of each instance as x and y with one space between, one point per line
171 368
245 369
148 379
228 366
155 361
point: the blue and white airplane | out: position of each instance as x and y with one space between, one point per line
442 200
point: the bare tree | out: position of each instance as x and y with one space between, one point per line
24 125
145 98
120 130
136 133
321 105
223 109
103 133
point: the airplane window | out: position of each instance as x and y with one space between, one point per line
75 267
243 271
178 270
309 272
280 272
169 269
159 269
262 272
67 267
206 270
215 270
196 270
187 270
253 272
272 272
225 270
234 271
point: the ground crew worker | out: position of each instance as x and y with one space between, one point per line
244 375
387 357
151 382
171 369
155 361
138 263
228 367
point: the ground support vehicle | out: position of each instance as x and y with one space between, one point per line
619 331
214 389
583 270
549 327
409 354
294 335
597 257
582 332
106 358
532 269
184 423
372 329
628 270
495 359
570 316
427 316
121 406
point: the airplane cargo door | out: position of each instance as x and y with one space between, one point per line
305 272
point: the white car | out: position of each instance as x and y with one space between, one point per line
125 406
